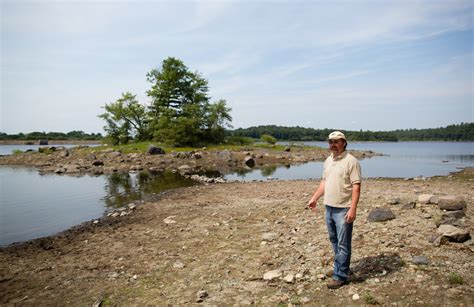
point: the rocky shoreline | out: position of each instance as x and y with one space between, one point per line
256 243
83 160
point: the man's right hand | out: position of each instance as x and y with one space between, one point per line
312 205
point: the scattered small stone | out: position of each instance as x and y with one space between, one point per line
60 170
420 260
115 154
410 205
271 275
426 216
269 237
355 297
394 201
427 199
178 265
290 278
185 169
201 295
169 220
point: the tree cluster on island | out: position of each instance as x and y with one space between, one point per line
179 114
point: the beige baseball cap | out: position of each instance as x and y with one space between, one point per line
336 135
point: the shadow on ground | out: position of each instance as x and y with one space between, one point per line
376 266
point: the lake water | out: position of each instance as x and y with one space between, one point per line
400 160
34 205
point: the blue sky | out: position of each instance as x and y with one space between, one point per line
371 65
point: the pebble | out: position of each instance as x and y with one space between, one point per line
290 278
169 220
355 297
305 300
271 275
420 260
178 265
201 295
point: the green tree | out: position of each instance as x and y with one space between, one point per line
126 119
179 102
217 120
268 139
181 113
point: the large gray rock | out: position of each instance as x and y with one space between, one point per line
453 233
380 215
249 161
450 221
153 150
97 163
454 214
451 203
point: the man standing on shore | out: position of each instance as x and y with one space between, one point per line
340 186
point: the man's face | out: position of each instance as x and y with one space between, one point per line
337 146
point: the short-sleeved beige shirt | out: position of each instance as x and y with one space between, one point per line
340 174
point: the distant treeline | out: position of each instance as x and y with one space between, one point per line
73 135
461 132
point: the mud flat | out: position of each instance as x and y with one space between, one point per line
252 243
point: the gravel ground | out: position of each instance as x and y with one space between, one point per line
213 244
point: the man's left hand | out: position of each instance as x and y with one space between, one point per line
350 216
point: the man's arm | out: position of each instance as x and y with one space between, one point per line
351 214
317 194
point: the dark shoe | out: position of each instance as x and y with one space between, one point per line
335 284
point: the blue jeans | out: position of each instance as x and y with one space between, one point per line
340 235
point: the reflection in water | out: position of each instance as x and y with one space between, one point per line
34 205
123 188
268 170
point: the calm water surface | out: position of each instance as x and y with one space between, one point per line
34 205
400 160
